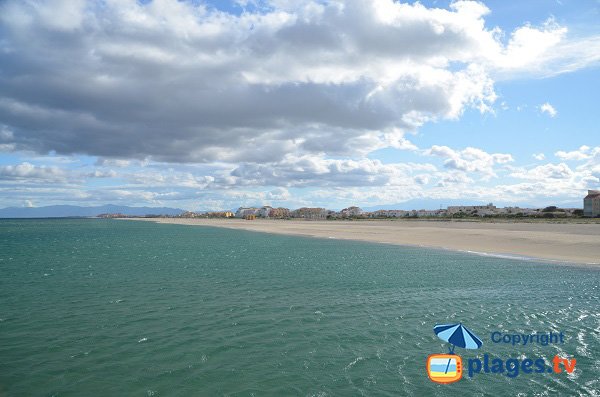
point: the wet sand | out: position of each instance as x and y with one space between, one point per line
576 243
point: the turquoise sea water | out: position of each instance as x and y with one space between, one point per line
108 307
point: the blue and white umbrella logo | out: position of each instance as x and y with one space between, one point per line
457 335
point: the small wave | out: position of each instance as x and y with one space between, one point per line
521 257
504 256
356 360
583 347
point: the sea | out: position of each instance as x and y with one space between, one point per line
100 307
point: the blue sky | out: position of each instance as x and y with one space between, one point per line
213 105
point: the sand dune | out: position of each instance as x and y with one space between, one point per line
578 243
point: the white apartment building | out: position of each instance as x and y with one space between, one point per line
351 211
431 212
591 203
388 214
245 211
264 212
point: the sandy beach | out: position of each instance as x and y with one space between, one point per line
576 243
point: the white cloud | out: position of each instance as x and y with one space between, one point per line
583 153
307 170
5 134
287 95
528 44
545 172
102 174
539 156
279 194
179 82
7 147
120 163
567 56
27 172
470 159
168 178
549 109
422 179
453 178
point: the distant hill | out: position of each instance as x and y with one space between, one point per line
60 211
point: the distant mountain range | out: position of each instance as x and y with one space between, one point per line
60 211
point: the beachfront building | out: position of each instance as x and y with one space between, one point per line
264 211
517 211
591 203
431 212
530 211
189 214
220 214
388 214
279 213
480 210
396 213
243 212
112 215
310 213
511 211
350 212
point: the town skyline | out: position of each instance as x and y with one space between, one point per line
590 208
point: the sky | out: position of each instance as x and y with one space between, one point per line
208 105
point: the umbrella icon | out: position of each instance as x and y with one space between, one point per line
457 335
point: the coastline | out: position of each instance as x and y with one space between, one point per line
566 243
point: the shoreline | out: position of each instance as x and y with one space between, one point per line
555 242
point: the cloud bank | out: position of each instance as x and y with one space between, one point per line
181 82
176 100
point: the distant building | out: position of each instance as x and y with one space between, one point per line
480 210
388 214
421 213
279 213
242 212
350 212
220 214
591 203
264 212
189 214
110 216
310 213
